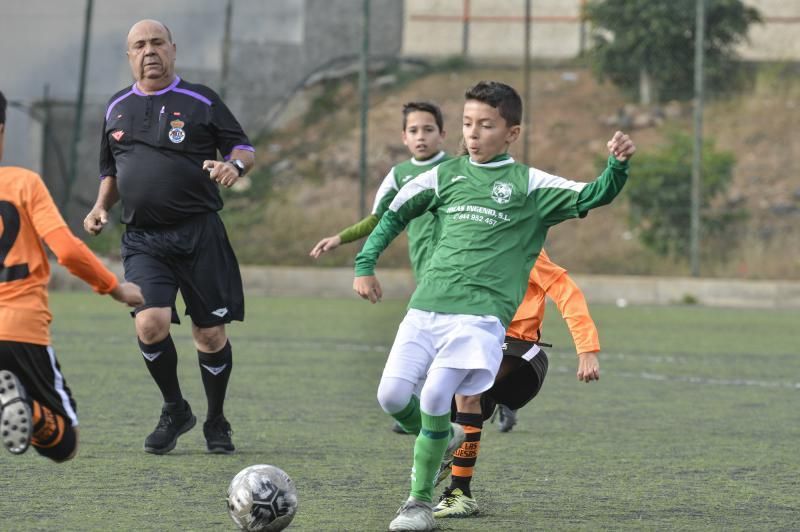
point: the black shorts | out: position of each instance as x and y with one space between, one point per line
520 378
194 257
38 370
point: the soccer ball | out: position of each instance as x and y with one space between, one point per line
262 498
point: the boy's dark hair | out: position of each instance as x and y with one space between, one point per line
2 108
427 107
500 96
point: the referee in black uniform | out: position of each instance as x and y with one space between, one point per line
159 156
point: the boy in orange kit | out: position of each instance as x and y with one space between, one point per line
36 405
520 377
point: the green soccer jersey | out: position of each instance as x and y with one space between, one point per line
492 221
422 230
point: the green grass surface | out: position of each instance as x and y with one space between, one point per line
693 426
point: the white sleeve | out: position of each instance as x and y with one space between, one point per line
426 181
387 186
539 179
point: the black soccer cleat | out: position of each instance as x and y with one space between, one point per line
16 421
218 435
173 422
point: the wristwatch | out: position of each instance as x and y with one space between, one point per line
239 166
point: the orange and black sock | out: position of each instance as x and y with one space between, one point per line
53 436
465 456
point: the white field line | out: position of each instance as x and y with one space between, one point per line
689 379
643 375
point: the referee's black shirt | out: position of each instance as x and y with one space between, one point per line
155 145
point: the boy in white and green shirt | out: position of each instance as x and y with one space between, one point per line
423 135
493 216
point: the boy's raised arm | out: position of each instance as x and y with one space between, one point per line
608 185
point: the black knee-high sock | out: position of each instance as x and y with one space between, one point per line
215 369
161 360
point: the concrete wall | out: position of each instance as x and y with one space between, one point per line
599 289
275 45
435 28
777 38
495 30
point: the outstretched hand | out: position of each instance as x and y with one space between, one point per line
128 293
368 287
588 367
326 244
621 146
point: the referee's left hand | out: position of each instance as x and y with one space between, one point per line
222 172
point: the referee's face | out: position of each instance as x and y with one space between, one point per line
151 52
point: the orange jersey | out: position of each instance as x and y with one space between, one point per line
548 278
28 214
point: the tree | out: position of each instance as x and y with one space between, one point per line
649 45
659 196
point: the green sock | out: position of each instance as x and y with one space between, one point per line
428 453
409 418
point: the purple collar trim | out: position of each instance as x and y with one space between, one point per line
171 86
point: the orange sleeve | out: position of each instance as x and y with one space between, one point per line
527 321
43 211
76 257
545 272
573 308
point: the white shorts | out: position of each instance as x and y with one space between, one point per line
427 340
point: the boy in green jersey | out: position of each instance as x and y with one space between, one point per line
423 135
494 215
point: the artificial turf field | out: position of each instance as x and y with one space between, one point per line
694 425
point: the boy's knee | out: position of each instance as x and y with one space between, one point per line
468 403
391 398
435 402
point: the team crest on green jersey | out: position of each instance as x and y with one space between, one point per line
501 192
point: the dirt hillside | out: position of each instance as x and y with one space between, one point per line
308 186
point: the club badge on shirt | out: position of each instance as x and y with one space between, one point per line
118 134
501 192
177 134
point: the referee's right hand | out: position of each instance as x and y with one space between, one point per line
95 220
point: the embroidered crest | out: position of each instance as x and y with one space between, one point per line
177 134
118 134
501 192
